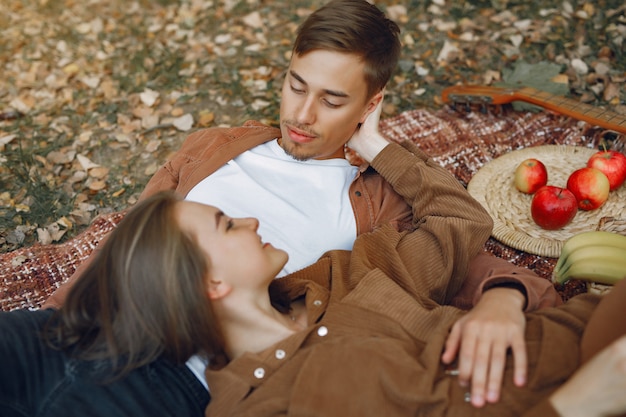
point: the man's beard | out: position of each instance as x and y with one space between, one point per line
291 149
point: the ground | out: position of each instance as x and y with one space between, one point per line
94 95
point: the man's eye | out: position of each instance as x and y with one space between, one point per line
331 105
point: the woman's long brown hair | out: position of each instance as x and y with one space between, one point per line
143 296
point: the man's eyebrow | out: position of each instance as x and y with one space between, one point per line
327 91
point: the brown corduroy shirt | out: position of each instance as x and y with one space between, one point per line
377 323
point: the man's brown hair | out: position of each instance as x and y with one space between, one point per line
356 27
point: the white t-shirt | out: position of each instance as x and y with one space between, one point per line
303 207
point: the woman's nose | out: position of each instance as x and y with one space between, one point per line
250 222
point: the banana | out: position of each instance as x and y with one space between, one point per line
593 270
611 257
585 239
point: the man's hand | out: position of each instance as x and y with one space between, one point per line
367 140
482 337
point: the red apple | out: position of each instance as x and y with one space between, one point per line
590 187
612 164
553 207
530 175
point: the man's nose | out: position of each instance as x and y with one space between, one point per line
306 112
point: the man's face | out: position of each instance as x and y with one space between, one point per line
324 98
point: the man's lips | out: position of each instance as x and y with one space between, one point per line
299 136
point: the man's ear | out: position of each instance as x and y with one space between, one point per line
218 289
371 104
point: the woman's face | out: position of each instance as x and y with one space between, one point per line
235 250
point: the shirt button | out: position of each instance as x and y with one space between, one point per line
358 194
317 302
259 373
280 354
322 331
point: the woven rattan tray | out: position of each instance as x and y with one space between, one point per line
492 186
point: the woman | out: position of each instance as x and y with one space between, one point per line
164 288
362 333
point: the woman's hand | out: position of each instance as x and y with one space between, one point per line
482 337
598 388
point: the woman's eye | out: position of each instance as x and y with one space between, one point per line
297 90
229 224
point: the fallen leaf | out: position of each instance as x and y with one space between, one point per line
59 157
149 97
253 20
153 145
177 112
149 121
91 82
23 208
85 162
183 123
18 260
4 140
71 69
538 76
579 66
65 222
98 172
97 185
448 52
611 92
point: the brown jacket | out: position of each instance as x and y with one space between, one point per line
374 202
378 321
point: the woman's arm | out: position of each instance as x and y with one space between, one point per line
595 390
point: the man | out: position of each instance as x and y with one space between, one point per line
309 199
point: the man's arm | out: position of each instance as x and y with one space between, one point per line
448 227
481 339
499 293
482 358
487 271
